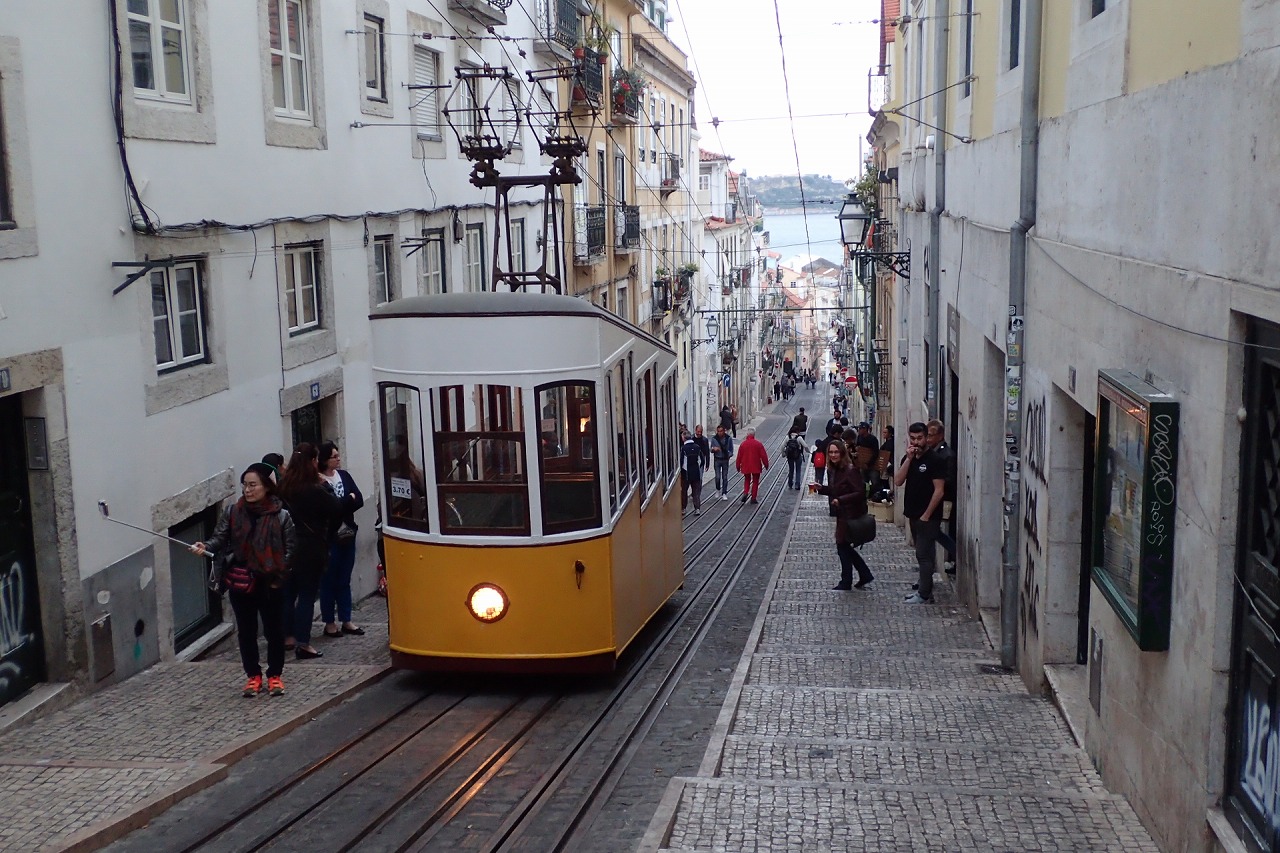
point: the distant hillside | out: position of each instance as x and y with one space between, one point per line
784 190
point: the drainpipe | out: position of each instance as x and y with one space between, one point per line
940 204
1015 351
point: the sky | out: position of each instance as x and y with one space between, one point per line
735 55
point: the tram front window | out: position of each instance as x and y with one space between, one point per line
480 464
567 450
406 497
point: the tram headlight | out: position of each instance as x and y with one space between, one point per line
487 602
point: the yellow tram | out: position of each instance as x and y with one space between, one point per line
532 520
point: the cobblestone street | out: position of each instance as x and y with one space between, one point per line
858 722
83 776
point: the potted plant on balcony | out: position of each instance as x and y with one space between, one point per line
628 89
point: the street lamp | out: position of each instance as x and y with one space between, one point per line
854 225
713 329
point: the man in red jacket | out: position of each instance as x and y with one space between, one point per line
752 460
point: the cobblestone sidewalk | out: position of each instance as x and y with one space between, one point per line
86 775
859 722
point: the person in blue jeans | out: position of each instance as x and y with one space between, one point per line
721 453
335 584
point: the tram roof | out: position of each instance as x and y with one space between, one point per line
504 304
489 305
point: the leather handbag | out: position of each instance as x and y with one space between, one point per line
345 535
861 530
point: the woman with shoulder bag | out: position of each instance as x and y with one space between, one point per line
256 540
848 493
335 586
315 513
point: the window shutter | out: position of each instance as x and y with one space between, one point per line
424 112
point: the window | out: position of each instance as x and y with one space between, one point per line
967 70
307 424
196 608
375 81
433 279
469 107
473 258
177 310
602 188
383 275
647 421
424 96
622 304
286 25
704 181
480 467
619 180
301 275
669 430
517 246
607 450
512 113
158 49
1015 31
1097 7
621 430
402 466
567 452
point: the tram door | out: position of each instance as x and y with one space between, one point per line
1253 777
21 648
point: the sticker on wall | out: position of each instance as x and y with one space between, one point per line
145 577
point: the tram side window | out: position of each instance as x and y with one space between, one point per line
606 451
646 403
633 422
406 497
666 431
674 467
478 433
567 450
622 439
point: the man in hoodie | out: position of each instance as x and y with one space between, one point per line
752 461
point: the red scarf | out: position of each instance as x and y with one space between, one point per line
257 536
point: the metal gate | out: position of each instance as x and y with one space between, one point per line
21 649
1253 760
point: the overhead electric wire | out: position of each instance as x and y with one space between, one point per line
795 145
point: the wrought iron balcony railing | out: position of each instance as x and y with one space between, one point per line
670 173
626 226
588 82
588 232
558 27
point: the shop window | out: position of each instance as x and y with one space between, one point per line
567 451
481 479
196 609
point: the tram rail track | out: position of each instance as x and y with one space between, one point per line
418 768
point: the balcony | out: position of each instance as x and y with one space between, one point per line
588 82
558 28
588 233
670 173
661 297
626 110
740 276
492 13
626 227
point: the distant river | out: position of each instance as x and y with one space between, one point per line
787 233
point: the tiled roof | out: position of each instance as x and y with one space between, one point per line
890 11
705 156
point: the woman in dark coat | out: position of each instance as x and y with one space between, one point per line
316 513
848 493
256 532
335 586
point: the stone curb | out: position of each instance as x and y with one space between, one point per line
218 765
664 817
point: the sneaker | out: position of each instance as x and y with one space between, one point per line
862 583
697 512
743 499
252 686
725 496
754 501
843 587
914 598
275 684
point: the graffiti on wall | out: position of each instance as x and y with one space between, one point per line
1035 458
13 619
1260 763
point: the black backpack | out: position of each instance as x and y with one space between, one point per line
793 450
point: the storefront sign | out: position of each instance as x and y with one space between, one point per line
1135 499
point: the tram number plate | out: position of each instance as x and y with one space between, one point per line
400 488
